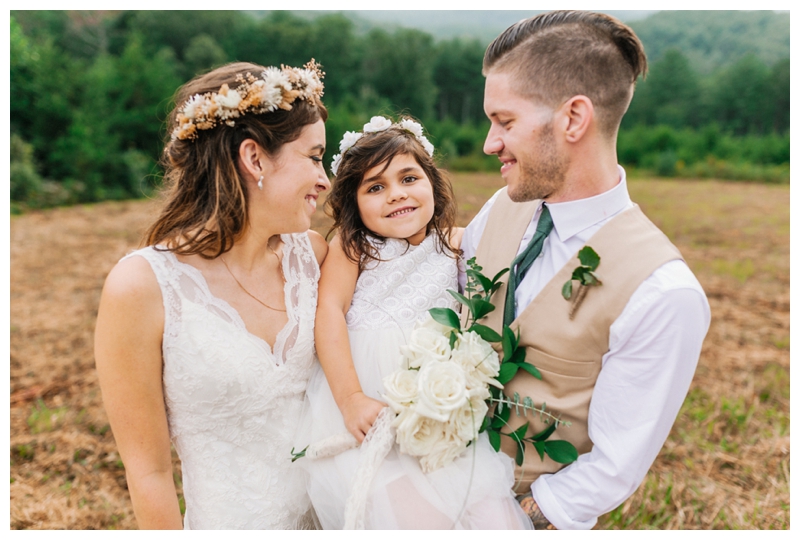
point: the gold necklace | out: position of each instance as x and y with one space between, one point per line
280 267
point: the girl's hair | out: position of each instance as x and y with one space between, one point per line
205 208
371 150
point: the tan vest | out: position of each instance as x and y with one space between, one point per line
567 352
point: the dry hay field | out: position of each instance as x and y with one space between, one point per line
724 466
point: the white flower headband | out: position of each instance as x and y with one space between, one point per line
376 124
276 89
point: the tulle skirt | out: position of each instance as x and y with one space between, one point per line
473 492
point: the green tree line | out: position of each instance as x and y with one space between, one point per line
90 92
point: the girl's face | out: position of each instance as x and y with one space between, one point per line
295 179
398 202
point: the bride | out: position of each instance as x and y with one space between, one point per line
204 338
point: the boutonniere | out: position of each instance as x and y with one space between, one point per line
585 276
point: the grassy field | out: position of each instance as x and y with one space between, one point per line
724 466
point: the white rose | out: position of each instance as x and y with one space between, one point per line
441 389
400 389
337 159
466 421
425 345
426 144
349 139
417 435
479 360
412 126
433 324
377 123
444 452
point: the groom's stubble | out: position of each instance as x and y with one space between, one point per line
543 172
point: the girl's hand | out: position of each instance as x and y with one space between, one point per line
359 413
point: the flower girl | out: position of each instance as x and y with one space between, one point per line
393 258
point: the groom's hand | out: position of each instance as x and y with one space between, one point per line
359 412
529 506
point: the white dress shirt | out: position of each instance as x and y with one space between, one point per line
653 346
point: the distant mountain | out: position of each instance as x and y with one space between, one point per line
710 39
483 25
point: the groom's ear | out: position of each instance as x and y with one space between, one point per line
577 117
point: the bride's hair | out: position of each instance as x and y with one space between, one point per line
371 150
205 208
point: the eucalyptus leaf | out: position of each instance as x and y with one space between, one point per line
545 433
530 368
509 343
486 333
507 372
494 439
500 419
519 433
518 357
499 274
577 274
445 316
539 445
453 339
481 308
589 279
566 290
561 451
589 257
461 299
520 457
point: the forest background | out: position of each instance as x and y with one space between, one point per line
91 91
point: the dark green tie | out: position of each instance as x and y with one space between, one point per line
524 261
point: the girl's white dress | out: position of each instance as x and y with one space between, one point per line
233 402
475 491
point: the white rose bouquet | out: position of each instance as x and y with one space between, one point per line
449 378
449 385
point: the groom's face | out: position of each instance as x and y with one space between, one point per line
522 137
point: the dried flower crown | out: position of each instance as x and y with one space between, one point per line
277 88
376 124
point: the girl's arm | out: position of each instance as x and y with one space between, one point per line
456 235
130 325
336 286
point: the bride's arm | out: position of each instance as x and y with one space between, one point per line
336 286
130 325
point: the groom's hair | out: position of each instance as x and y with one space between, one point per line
555 56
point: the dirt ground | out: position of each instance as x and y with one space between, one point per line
725 465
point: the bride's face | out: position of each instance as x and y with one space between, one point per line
294 180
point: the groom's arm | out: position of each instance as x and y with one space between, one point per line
654 348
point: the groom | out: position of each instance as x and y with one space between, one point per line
618 356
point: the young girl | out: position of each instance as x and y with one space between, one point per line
394 257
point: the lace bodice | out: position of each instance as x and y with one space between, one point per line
232 402
403 285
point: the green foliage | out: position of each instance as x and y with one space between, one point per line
479 290
91 91
42 418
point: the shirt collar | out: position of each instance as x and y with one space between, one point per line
572 217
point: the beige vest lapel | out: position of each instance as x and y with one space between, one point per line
568 352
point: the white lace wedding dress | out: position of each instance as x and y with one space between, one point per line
474 492
233 404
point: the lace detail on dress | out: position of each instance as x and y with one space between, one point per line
379 440
232 403
403 286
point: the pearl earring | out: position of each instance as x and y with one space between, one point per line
261 183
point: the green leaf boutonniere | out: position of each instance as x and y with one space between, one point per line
585 276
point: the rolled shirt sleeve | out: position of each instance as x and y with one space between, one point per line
654 347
